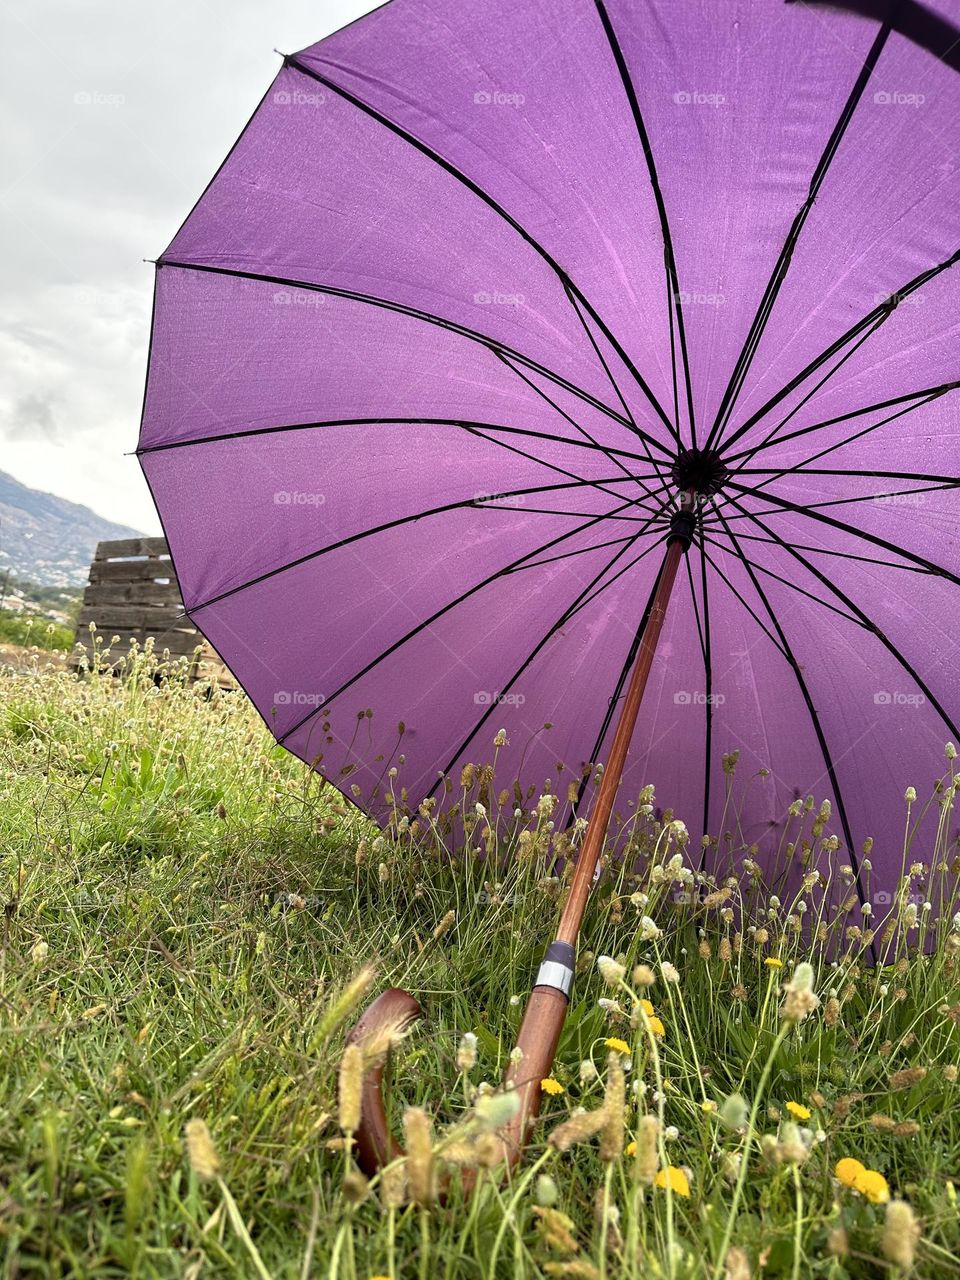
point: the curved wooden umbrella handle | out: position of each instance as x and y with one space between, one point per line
376 1145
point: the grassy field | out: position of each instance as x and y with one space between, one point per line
191 921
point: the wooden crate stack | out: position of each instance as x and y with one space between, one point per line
133 593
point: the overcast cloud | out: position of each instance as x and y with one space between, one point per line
114 116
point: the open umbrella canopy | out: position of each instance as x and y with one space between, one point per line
481 289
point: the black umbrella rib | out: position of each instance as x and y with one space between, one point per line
670 262
928 398
491 203
723 578
380 528
855 475
814 717
773 435
439 613
562 471
881 312
562 621
463 423
785 582
708 690
633 650
841 555
768 301
864 621
620 572
611 453
580 551
612 380
952 483
924 396
413 313
872 538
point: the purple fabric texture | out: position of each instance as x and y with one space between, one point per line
434 349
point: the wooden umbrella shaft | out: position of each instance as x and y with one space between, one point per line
546 1009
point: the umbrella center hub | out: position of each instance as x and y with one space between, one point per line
701 470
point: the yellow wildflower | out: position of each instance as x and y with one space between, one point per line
657 1027
798 1110
647 1008
848 1170
675 1178
772 962
551 1086
620 1046
873 1185
630 1149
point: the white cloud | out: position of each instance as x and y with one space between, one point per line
113 117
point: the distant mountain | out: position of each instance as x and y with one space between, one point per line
47 539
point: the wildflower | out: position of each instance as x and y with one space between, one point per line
734 1111
643 976
848 1170
799 1111
773 962
619 1046
675 1179
649 931
495 1109
351 1087
611 1139
416 1127
906 1078
737 1264
201 1152
630 1149
901 1231
670 972
910 795
588 1071
553 1087
800 996
501 738
647 1007
708 1106
873 1185
467 1052
610 971
39 951
657 1027
646 1148
557 1230
581 1126
546 1191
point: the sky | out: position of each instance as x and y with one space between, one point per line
114 114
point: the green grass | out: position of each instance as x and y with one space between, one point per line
34 629
184 906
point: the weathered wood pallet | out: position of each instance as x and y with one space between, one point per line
133 593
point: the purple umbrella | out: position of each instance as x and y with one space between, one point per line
492 313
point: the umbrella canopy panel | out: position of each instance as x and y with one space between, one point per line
476 292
